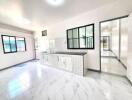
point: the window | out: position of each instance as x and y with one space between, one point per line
21 45
13 44
9 44
81 37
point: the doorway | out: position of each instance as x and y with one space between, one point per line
113 46
105 43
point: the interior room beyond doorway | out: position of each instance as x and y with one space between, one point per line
114 34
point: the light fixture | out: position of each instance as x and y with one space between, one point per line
55 2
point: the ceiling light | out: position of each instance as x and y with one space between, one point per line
55 2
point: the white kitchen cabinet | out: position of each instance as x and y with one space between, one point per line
65 62
77 63
68 63
61 62
71 63
44 59
53 60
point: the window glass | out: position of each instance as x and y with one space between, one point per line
82 43
69 34
70 43
13 44
81 37
76 44
82 32
6 44
89 31
75 33
89 36
21 46
89 42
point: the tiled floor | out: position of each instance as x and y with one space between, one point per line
32 81
107 53
112 65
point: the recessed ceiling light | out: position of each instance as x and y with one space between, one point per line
55 2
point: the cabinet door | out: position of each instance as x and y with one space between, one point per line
61 62
50 60
65 63
55 60
77 62
68 64
45 59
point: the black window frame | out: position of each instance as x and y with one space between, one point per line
68 46
10 44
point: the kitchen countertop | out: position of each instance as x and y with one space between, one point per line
68 53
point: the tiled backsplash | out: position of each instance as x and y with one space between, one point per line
60 44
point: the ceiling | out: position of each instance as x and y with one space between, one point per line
33 14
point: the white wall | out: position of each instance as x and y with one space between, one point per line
129 57
41 42
7 60
116 9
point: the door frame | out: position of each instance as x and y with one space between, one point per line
125 16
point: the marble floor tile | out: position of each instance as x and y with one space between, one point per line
107 53
33 81
112 65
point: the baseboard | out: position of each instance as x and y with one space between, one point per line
109 57
128 80
94 70
16 65
123 64
108 73
119 60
